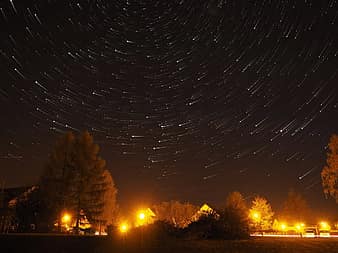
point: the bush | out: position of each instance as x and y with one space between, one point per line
229 225
161 230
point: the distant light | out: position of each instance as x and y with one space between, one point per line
256 216
283 226
299 226
124 228
66 218
141 216
324 225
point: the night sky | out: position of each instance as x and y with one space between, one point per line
188 99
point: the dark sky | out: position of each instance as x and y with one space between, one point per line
188 99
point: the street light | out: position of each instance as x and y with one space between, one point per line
66 218
283 227
324 225
124 228
141 216
256 215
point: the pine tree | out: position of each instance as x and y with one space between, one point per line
295 208
75 179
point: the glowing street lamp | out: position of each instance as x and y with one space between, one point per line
66 218
124 228
283 226
141 216
255 216
324 225
299 226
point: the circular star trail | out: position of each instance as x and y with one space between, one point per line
184 95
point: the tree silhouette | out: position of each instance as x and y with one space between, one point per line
235 216
295 208
236 201
330 171
75 179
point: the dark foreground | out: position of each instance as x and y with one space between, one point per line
91 244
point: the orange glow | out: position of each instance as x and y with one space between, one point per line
124 228
283 226
144 217
141 216
324 225
255 216
299 226
66 218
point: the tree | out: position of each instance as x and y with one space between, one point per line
27 209
236 201
176 213
330 171
260 214
110 207
295 208
235 217
76 179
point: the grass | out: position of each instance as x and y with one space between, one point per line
91 244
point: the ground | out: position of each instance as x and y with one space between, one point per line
91 244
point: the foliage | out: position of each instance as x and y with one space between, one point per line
260 214
330 171
228 225
235 201
207 227
235 216
295 208
176 213
75 179
27 207
161 230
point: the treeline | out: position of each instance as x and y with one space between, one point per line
76 180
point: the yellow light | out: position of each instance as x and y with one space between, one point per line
324 225
141 216
124 228
298 227
66 218
283 226
256 216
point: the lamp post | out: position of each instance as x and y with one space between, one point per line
256 218
124 230
141 217
66 220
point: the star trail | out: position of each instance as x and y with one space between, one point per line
182 96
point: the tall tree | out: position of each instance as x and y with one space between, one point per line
330 171
295 208
174 212
260 214
75 179
235 216
56 178
236 201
